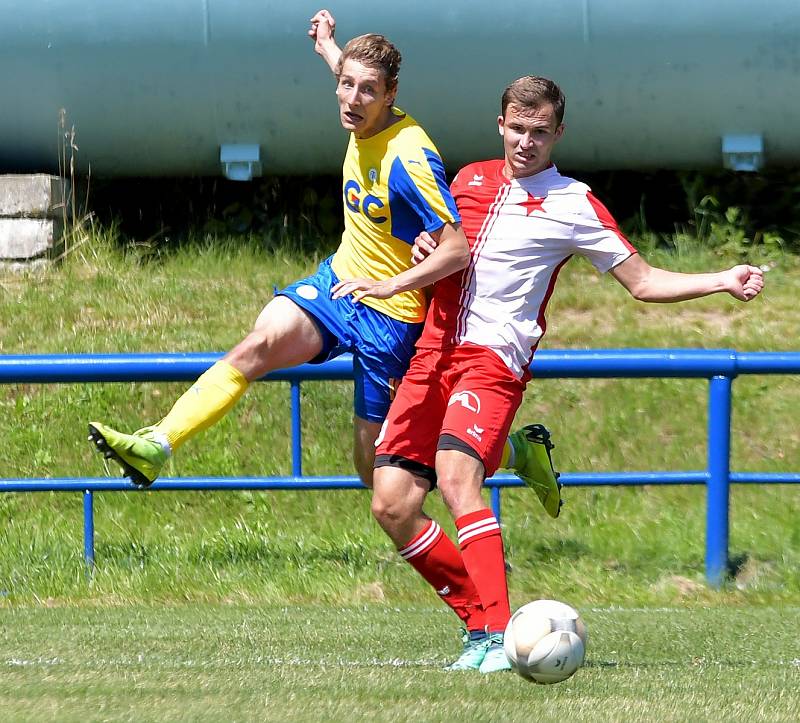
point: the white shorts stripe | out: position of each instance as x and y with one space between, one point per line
423 543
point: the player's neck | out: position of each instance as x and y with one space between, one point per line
511 174
387 121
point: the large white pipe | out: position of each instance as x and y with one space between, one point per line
156 88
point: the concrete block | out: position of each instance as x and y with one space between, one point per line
24 267
29 238
32 196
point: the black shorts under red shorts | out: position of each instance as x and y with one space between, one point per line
466 392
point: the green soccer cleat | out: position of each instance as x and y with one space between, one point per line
495 659
534 466
473 654
139 454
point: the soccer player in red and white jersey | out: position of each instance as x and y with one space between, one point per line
449 421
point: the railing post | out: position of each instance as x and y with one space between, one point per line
496 502
88 529
297 449
717 497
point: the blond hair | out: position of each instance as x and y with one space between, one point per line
374 51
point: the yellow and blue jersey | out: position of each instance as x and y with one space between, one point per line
394 187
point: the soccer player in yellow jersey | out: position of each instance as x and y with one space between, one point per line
394 188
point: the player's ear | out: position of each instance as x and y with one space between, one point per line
500 121
391 94
560 131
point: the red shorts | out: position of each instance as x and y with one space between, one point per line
466 392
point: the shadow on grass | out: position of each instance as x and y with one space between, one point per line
555 548
353 555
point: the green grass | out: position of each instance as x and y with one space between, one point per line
628 546
294 605
371 662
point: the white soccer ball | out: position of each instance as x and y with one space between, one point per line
545 641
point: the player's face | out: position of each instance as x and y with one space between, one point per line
364 103
529 135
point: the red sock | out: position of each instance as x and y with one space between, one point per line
482 551
433 555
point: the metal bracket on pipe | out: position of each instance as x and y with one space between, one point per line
743 152
240 161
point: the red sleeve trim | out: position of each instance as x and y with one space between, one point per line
608 222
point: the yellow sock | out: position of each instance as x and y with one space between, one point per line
506 456
208 400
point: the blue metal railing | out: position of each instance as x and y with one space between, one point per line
720 367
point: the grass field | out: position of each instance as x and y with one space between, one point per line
197 596
313 663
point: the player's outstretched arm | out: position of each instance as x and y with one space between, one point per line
649 283
322 30
451 254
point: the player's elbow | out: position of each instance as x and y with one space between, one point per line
454 255
462 257
458 247
640 292
642 286
638 278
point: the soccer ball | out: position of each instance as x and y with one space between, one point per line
545 641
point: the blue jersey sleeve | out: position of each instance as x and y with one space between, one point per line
419 197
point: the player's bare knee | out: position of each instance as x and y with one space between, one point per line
390 509
257 341
449 485
250 354
387 512
459 495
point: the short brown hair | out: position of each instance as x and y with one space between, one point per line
533 91
374 51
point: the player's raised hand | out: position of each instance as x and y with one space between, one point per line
745 282
323 27
360 288
423 247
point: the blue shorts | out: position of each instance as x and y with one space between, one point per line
382 347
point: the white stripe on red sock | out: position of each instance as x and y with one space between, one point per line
477 528
423 542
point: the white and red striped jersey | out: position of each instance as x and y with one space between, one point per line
521 232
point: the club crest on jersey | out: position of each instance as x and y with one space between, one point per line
468 400
534 203
373 175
